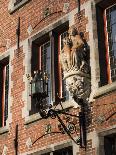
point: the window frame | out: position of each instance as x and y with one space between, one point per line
105 77
3 96
62 83
101 135
49 151
17 2
50 36
110 144
108 57
13 6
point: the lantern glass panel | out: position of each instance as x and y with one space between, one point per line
39 86
33 88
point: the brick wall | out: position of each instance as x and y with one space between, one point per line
32 14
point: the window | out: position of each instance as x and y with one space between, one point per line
46 57
64 151
45 65
63 91
110 17
17 2
4 89
106 23
110 144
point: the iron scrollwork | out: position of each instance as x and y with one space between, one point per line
66 125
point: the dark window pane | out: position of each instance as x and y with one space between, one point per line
17 2
111 28
46 65
64 151
42 59
4 89
6 93
65 93
110 144
46 154
1 92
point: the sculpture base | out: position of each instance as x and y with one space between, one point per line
78 84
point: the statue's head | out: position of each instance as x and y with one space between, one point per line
72 31
66 41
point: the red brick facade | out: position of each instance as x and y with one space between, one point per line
102 106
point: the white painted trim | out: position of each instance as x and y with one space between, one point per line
36 117
10 99
4 129
107 131
50 148
9 53
105 89
90 11
94 137
27 64
101 134
12 8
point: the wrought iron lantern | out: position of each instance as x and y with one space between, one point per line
39 91
39 85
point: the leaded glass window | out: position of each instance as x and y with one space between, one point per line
46 58
111 39
110 144
4 90
64 91
46 65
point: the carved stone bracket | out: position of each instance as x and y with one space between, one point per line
79 86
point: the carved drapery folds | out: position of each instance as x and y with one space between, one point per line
74 59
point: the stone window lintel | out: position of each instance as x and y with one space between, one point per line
12 8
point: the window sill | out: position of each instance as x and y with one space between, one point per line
12 8
4 130
105 89
35 117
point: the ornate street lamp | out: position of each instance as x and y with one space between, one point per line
39 91
39 85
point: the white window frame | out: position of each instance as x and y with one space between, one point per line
5 128
12 8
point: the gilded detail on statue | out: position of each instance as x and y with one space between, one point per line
75 64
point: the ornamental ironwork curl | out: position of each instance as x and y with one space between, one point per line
65 126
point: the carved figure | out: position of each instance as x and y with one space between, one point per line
73 55
77 50
75 64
